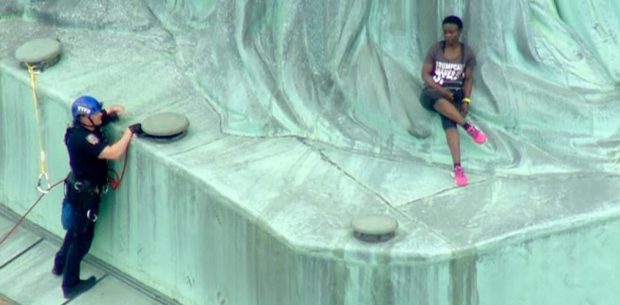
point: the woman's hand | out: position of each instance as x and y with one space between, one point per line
447 94
464 109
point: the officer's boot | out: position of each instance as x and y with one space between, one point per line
77 289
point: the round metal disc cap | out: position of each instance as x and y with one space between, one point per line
165 124
375 227
38 50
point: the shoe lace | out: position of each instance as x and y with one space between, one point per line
458 171
473 131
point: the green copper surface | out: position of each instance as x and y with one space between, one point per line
301 119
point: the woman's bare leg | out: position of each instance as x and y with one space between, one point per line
452 137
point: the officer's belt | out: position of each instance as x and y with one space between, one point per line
82 186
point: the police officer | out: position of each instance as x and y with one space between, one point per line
89 152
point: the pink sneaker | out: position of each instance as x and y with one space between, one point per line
476 134
459 176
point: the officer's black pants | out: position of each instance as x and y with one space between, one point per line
76 244
73 250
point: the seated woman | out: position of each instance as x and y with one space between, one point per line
448 76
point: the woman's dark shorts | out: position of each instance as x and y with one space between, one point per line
429 97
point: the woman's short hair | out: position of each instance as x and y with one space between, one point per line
453 20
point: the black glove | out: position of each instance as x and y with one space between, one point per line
113 117
108 117
136 129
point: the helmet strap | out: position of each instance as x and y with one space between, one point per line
91 125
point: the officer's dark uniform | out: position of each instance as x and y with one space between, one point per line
83 190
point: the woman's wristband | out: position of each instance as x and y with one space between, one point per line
467 100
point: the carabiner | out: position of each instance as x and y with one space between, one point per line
91 215
47 181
